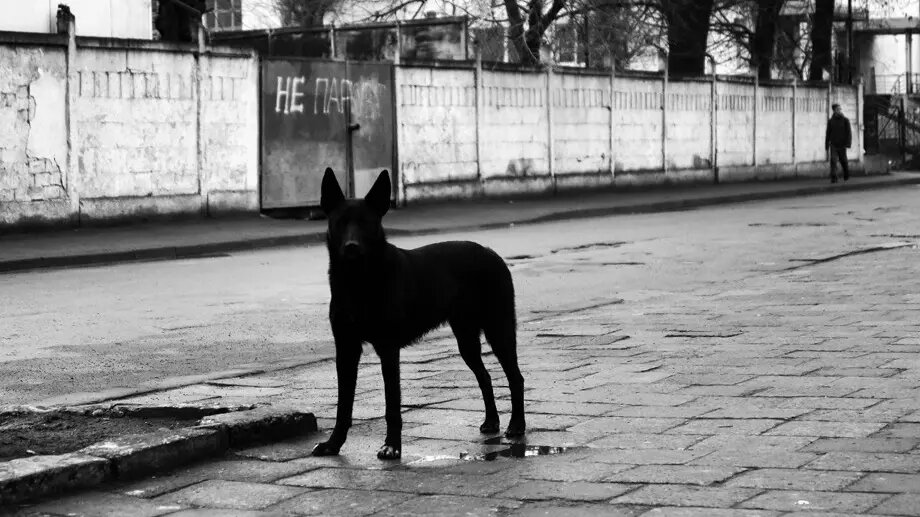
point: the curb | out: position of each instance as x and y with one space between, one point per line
160 253
154 386
199 250
684 204
131 456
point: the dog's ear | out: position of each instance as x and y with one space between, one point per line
378 197
331 194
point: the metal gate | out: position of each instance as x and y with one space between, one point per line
322 113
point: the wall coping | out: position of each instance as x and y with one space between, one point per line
41 39
33 38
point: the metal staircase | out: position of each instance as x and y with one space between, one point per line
892 126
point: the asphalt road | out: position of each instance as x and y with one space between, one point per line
87 329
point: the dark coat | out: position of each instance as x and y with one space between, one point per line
838 132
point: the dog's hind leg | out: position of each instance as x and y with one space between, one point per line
471 352
389 365
503 340
347 358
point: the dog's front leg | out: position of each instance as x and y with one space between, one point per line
347 358
389 365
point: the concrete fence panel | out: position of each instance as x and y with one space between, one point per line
436 113
581 120
774 119
515 125
229 126
811 115
689 120
34 175
637 124
136 121
735 129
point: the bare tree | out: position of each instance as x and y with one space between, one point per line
821 31
688 31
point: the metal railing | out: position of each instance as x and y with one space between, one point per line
894 84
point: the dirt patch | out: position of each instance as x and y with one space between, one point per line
28 434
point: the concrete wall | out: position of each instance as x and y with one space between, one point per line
596 130
114 130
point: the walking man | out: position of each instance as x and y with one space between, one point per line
837 140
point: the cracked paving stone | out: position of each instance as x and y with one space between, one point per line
887 482
223 512
753 443
676 474
626 425
646 456
451 506
564 471
574 490
868 462
644 441
706 512
103 505
338 502
724 426
792 479
760 458
827 429
863 445
556 509
687 495
242 470
902 504
814 501
403 481
230 494
347 478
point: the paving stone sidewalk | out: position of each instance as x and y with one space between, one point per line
792 390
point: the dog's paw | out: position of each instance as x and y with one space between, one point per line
515 429
326 449
489 427
389 452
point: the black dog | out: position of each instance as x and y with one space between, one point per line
390 298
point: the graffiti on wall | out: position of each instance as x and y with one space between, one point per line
331 95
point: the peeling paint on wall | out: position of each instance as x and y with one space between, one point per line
33 147
47 137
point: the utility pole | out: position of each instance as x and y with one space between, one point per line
850 40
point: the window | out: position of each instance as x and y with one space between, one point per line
224 15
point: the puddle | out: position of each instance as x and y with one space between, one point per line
514 450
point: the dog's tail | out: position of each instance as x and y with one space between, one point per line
500 313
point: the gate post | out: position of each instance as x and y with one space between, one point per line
72 85
477 90
611 99
754 120
201 77
795 96
550 144
714 123
664 121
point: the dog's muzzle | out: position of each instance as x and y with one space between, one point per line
352 250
